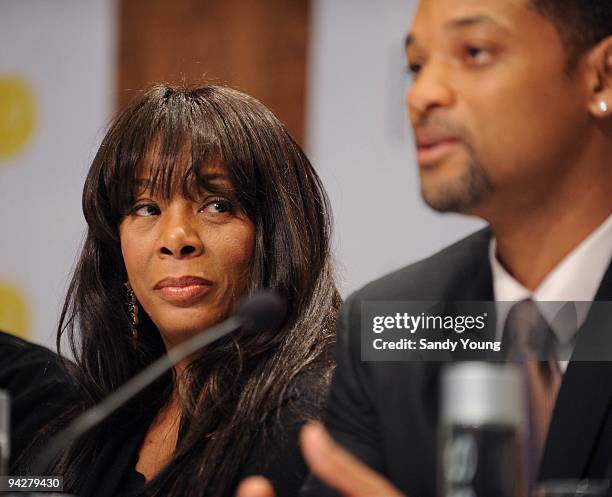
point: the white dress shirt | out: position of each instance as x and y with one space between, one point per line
575 279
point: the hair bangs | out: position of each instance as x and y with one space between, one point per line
225 141
164 148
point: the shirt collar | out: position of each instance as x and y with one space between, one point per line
576 278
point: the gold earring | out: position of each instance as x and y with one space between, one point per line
132 307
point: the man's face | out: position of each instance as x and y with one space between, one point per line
495 114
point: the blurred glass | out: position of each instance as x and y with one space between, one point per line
5 431
481 430
572 488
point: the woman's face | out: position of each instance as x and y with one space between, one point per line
187 260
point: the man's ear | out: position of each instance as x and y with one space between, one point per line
600 69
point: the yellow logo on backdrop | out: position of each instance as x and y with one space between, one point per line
13 311
17 115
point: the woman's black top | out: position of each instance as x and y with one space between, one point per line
41 389
275 454
113 473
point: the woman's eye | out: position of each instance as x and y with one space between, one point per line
145 210
218 206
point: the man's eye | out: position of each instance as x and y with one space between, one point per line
477 55
414 68
145 210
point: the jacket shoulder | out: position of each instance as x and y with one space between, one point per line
436 277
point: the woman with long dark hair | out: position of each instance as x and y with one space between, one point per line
196 197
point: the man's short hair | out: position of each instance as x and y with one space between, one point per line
580 23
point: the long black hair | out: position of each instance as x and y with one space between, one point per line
235 389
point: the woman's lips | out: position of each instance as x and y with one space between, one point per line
183 289
431 153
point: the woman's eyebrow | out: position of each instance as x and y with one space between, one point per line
214 176
215 180
142 185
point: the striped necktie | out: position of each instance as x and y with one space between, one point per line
530 345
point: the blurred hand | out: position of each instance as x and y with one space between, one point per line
255 486
331 464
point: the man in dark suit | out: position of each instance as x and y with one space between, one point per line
38 386
511 107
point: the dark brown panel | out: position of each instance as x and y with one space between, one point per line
257 46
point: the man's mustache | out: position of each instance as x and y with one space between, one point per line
442 126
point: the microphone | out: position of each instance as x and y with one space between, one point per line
264 309
481 431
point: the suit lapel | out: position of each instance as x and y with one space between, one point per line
476 285
474 281
583 402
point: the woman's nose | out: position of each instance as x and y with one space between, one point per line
180 237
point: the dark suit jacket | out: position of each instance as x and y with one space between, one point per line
38 385
386 413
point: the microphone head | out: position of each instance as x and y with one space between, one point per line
476 393
262 310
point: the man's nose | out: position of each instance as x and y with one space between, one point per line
431 89
180 237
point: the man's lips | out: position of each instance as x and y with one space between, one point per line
184 288
433 149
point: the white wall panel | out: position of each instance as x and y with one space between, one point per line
56 69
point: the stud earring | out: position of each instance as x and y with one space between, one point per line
132 308
603 106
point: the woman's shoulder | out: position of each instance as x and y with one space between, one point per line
276 454
311 386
